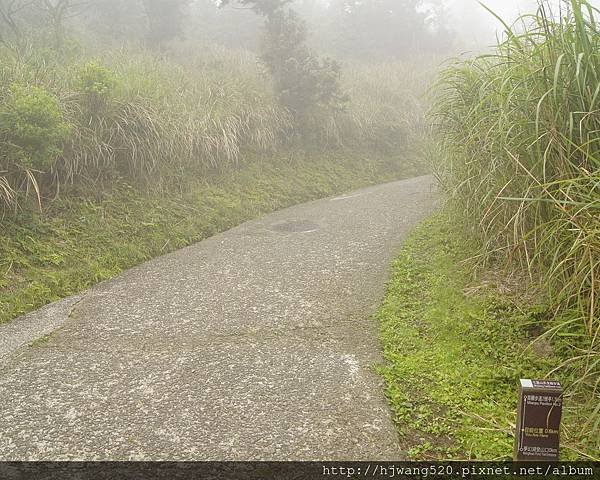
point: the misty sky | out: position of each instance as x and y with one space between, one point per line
477 26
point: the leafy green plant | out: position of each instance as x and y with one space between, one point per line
303 81
96 80
306 85
32 127
32 132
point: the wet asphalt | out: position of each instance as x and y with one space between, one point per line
255 344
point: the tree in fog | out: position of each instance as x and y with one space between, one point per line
386 28
117 20
301 78
57 13
12 27
24 20
304 82
165 20
8 21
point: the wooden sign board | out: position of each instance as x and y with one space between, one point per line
538 421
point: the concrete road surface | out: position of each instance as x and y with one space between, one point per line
256 344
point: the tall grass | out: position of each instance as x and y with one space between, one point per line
520 133
155 118
143 116
388 101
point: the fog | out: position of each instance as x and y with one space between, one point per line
471 26
476 27
130 129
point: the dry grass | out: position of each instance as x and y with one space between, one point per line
160 119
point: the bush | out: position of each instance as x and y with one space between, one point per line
96 83
305 85
303 82
95 79
32 129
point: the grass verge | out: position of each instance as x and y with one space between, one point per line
456 344
519 156
80 241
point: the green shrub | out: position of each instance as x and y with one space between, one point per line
32 129
95 79
304 83
96 83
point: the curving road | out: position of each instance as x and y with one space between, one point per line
254 344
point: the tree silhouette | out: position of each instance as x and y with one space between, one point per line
165 20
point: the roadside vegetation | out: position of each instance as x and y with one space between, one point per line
130 129
122 137
456 338
154 121
518 154
81 240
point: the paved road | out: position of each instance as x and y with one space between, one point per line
254 344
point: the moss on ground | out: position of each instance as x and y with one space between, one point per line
80 241
456 345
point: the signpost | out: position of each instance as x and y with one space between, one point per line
538 421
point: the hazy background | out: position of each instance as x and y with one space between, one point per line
475 26
470 26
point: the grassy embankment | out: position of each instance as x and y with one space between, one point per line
520 160
456 343
107 162
81 241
